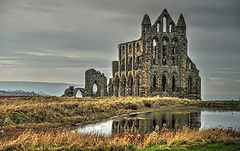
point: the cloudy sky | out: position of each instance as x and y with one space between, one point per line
57 40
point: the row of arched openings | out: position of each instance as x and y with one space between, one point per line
165 40
164 83
130 83
164 26
130 47
154 86
164 58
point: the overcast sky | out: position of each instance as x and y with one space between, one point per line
57 40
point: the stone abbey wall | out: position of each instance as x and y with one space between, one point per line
157 64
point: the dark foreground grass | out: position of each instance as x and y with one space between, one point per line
208 147
180 140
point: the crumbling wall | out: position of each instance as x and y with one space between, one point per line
95 77
91 77
69 92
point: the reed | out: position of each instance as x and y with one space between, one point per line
65 140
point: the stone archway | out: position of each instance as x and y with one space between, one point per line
78 92
95 84
95 88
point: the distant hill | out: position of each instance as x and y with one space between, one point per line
19 93
52 89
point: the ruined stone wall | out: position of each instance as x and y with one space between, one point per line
95 77
92 77
157 64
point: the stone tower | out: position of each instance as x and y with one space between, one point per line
157 64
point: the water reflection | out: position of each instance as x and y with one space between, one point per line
147 122
170 119
220 119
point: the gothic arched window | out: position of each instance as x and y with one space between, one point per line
190 85
154 83
158 27
164 83
173 83
164 24
138 47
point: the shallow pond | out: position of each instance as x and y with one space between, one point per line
146 122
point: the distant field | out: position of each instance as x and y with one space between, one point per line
232 105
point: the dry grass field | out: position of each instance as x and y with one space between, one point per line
184 139
32 123
60 110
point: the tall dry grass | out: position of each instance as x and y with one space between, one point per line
53 140
65 110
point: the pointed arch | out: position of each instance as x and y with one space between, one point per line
138 60
123 65
137 85
174 45
138 47
173 61
174 40
190 65
170 28
173 83
123 47
155 44
165 38
117 81
164 22
130 85
158 27
154 86
164 82
189 85
130 64
164 53
130 48
95 87
173 50
123 86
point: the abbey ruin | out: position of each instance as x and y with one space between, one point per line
157 64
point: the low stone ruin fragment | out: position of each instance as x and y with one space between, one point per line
92 77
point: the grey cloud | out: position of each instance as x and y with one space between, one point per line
58 36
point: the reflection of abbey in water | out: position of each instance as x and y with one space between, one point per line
148 121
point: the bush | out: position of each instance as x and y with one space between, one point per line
131 106
147 104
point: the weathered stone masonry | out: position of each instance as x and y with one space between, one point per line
157 64
91 77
